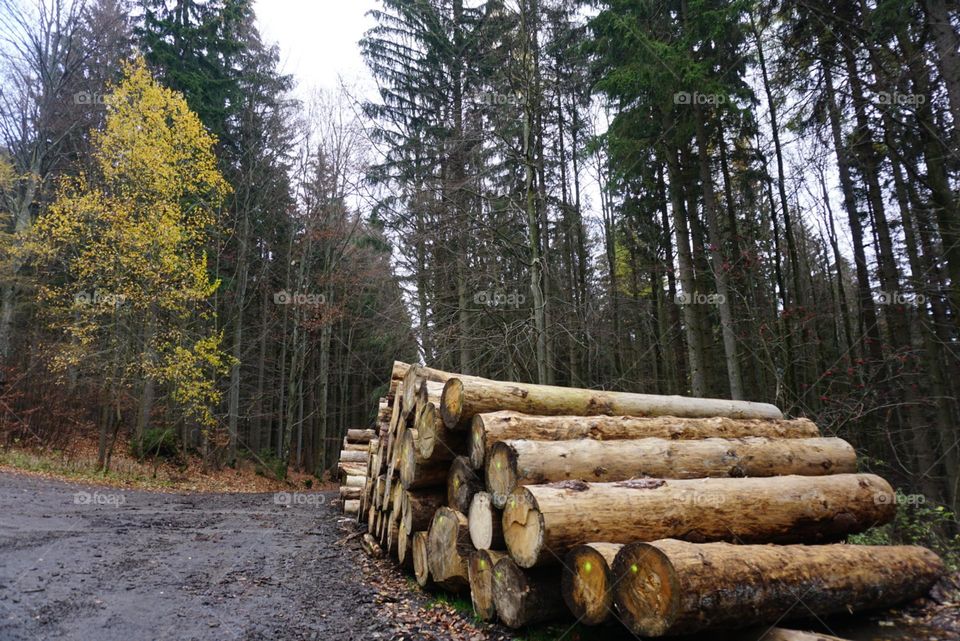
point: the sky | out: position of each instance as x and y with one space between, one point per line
318 40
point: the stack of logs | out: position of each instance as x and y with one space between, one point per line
669 514
354 467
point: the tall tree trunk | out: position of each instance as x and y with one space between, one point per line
717 261
691 316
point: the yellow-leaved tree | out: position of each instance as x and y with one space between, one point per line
126 248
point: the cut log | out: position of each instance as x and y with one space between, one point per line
541 523
371 518
480 571
513 463
448 549
672 587
486 429
419 506
360 435
421 373
352 456
350 493
524 597
415 472
462 484
404 553
434 440
421 567
351 507
370 546
399 370
383 411
351 469
486 523
465 397
355 481
587 583
354 447
428 393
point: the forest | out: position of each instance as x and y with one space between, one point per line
717 198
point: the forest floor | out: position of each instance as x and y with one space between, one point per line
81 561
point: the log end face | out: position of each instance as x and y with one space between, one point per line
501 473
586 585
509 592
476 446
418 548
451 402
480 521
407 460
480 571
647 590
428 434
523 528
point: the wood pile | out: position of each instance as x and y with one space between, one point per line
669 514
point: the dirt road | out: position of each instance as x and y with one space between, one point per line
80 562
86 563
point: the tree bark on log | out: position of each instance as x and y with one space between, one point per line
421 568
480 571
355 481
462 484
525 597
360 435
485 522
350 493
352 456
465 397
587 582
419 506
541 523
414 471
672 587
513 463
488 428
448 549
435 442
351 469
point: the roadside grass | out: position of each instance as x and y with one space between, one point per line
79 464
56 463
458 603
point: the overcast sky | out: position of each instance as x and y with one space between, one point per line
318 40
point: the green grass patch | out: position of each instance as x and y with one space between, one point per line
56 463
